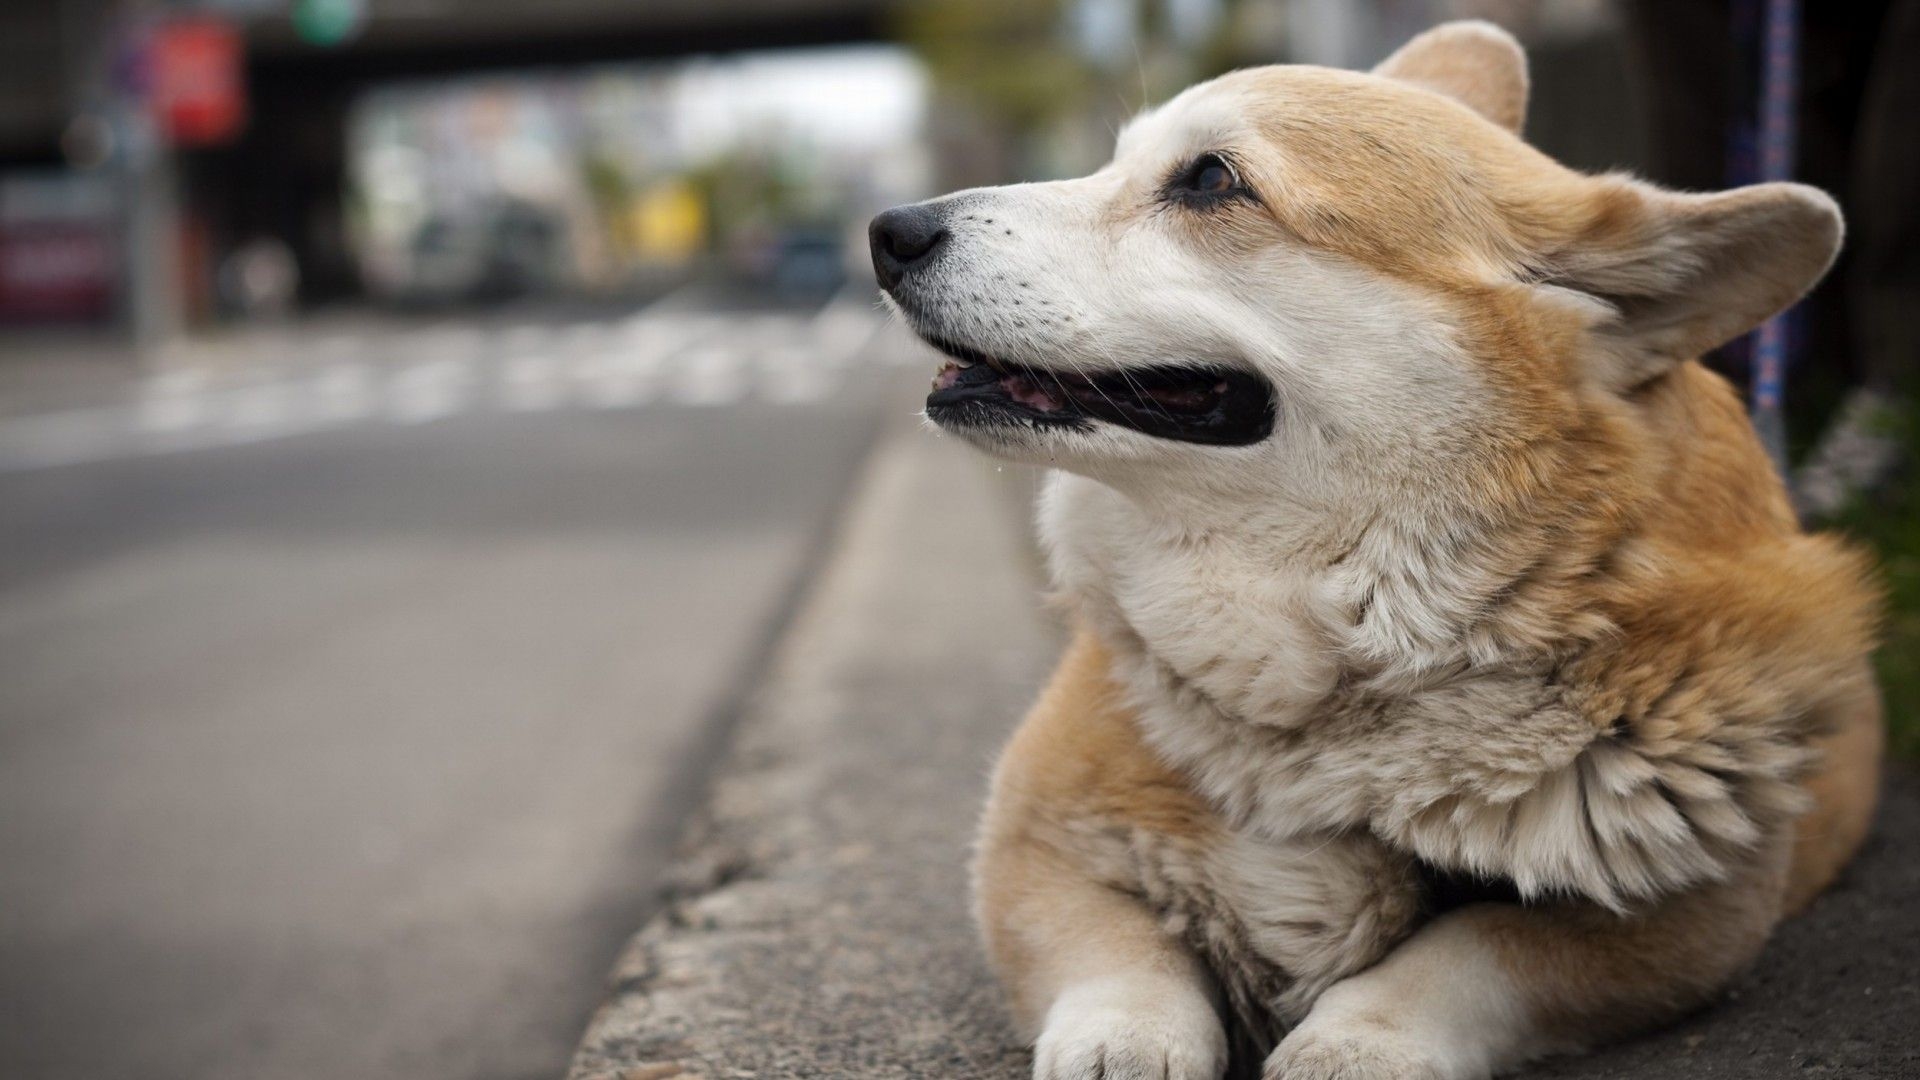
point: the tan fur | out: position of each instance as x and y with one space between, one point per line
1076 765
1574 641
1475 63
1842 792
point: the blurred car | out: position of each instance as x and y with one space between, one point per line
511 248
796 261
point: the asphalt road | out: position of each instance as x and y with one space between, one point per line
353 751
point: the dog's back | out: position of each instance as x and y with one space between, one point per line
1844 790
1722 499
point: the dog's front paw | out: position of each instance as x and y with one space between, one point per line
1350 1051
1117 1034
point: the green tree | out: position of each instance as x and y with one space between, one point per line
1005 57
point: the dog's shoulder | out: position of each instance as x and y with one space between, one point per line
1077 760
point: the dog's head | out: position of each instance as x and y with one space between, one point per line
1298 281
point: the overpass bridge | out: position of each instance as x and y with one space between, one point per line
410 37
51 50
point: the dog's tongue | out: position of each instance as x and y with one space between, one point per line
956 373
1029 393
1020 388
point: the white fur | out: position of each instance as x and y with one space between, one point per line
1442 1011
1142 1029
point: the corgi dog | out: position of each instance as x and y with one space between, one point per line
1451 683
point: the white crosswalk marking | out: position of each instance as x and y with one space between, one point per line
340 348
167 413
532 382
526 337
174 401
664 355
256 408
582 338
430 390
615 378
343 393
844 327
795 374
184 381
708 377
440 343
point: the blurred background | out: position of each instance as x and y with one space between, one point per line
417 417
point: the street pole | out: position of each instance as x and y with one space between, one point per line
149 309
150 220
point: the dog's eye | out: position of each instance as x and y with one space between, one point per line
1212 176
1208 176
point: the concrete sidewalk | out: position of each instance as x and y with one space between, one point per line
818 924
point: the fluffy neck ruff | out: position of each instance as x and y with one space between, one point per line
1570 682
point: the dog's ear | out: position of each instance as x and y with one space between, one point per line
1476 63
1688 272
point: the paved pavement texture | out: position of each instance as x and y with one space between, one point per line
819 925
357 751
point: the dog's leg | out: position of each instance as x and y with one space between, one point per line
1092 975
1487 987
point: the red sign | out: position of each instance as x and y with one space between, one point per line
199 92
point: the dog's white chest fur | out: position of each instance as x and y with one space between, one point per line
1202 636
1251 638
1232 657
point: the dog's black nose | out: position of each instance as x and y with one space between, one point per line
903 238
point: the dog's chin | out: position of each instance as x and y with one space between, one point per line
1007 408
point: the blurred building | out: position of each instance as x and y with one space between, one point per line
211 125
164 162
620 176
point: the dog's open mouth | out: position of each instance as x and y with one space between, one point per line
1169 401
